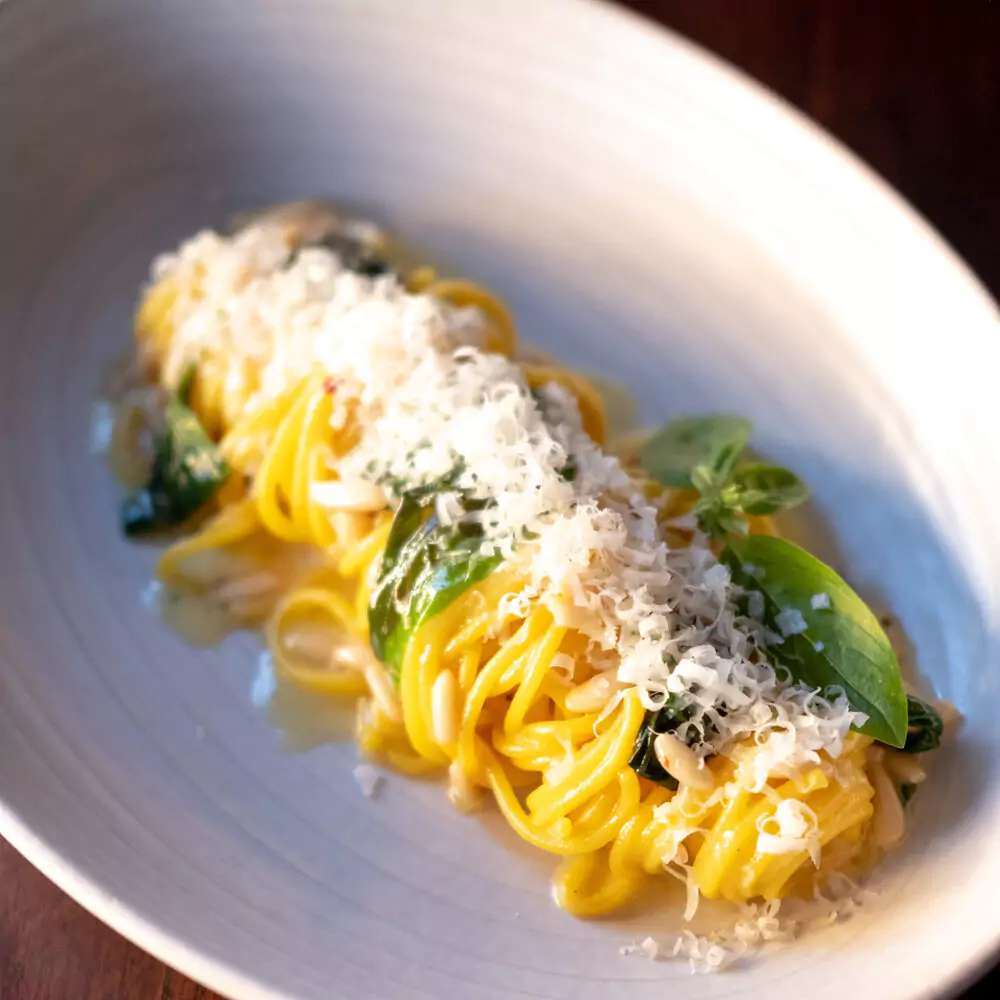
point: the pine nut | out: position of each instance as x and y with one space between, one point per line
592 695
383 691
682 762
889 822
463 793
444 708
905 767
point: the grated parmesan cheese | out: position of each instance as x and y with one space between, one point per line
791 828
250 300
432 407
790 622
758 925
369 780
647 947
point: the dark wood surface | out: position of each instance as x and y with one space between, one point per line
912 86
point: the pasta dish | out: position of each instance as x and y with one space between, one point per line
605 634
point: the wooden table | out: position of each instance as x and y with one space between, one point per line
913 86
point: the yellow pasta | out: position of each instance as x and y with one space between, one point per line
482 694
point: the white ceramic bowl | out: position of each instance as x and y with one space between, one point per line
646 211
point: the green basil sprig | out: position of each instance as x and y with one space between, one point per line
424 568
703 454
766 489
188 470
714 443
839 641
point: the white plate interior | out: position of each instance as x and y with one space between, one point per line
644 213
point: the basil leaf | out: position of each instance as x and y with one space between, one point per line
766 489
672 454
187 472
406 536
425 567
842 644
716 508
644 761
409 518
717 518
923 726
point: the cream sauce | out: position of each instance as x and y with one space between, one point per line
305 718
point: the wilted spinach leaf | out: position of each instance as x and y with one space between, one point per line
425 567
187 471
923 726
644 760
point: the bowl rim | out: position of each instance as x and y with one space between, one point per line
735 86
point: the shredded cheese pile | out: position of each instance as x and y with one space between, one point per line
253 300
792 827
434 407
